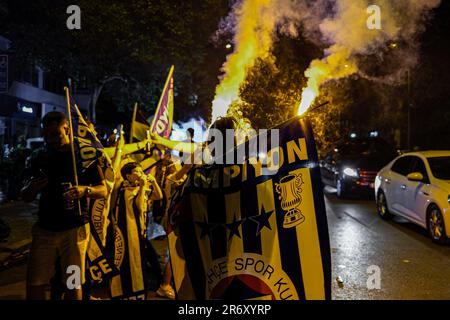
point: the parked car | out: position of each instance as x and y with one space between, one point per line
416 186
351 166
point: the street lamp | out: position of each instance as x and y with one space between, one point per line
393 45
409 107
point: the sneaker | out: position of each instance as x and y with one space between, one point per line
166 292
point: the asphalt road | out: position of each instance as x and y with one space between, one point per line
410 265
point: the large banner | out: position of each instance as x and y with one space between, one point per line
129 252
89 151
244 232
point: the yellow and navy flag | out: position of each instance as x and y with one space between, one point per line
129 245
256 230
139 125
89 151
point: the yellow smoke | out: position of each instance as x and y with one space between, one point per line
345 31
336 65
253 39
349 35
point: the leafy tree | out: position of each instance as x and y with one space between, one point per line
122 44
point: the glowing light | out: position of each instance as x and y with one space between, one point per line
350 172
220 106
27 109
308 96
228 46
393 45
179 132
336 64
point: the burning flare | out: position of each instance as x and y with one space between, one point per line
308 97
337 64
252 39
342 25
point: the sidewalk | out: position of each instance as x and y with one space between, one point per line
21 217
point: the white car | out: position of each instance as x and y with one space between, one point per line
416 186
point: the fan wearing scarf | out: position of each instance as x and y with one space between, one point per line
137 192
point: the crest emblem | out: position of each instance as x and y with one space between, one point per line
289 190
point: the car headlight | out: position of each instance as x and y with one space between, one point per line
350 172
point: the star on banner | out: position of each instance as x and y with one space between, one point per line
234 228
206 228
262 220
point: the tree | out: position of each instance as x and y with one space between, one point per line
129 43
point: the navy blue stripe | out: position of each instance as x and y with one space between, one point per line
217 215
249 207
319 205
125 268
191 252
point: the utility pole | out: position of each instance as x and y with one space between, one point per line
409 108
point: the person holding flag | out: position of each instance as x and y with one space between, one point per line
130 215
62 230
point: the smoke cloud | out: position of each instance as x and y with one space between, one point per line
340 25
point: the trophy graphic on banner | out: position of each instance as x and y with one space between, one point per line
289 190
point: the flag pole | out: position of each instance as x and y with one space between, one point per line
72 148
74 163
132 122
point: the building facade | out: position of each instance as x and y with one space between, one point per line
27 93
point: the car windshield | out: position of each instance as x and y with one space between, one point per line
440 167
365 147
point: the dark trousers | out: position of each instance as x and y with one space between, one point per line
153 266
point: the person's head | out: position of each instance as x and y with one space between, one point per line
21 140
132 172
111 142
55 130
190 134
222 125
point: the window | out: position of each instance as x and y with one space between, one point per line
440 167
403 165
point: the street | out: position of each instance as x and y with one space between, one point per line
21 217
412 267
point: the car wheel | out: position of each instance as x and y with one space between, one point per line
382 207
340 189
436 225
